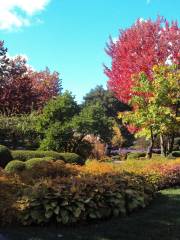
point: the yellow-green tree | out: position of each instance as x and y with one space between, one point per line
156 106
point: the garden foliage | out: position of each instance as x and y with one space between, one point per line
52 191
5 156
25 155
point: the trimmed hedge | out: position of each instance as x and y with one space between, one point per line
15 166
136 155
31 163
72 158
5 156
24 155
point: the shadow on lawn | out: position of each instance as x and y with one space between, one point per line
161 220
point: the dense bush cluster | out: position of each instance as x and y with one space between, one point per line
5 156
83 198
44 191
67 157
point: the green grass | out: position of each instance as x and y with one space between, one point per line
161 220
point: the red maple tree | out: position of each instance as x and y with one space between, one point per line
22 89
139 48
45 84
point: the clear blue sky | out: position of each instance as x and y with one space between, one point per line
69 36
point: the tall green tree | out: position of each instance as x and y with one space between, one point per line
64 125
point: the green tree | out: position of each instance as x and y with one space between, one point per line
156 106
93 120
19 131
111 107
60 109
64 126
55 122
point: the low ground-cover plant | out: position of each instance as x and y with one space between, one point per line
10 189
82 198
53 191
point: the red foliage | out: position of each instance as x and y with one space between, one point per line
138 48
46 84
132 129
21 89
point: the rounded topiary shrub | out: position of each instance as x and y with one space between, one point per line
5 156
136 155
72 158
15 166
31 163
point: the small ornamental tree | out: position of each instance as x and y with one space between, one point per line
138 49
156 106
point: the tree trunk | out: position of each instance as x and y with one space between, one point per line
151 145
172 143
162 145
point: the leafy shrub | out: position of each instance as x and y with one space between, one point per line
53 191
25 155
176 153
84 149
15 166
72 158
136 155
96 168
46 169
5 156
31 163
10 189
86 198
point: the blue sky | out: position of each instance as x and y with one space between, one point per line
69 36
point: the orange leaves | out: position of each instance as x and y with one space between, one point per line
95 167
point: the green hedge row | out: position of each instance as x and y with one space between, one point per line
24 155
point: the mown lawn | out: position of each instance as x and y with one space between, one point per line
161 220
